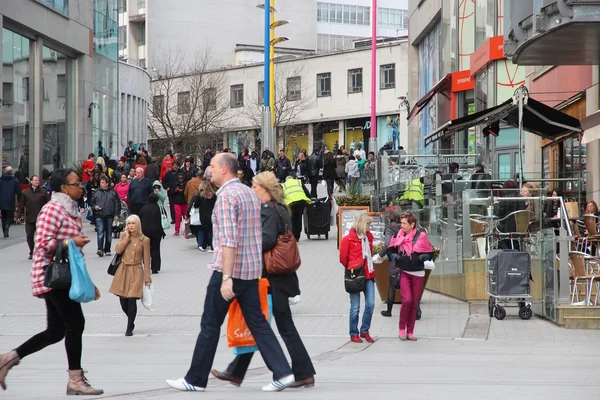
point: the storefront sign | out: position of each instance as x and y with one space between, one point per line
462 81
492 49
443 160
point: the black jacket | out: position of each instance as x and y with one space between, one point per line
504 208
109 202
153 171
151 221
131 154
178 194
206 207
10 192
303 165
206 160
90 188
313 165
329 171
282 286
32 202
283 167
139 191
189 173
170 181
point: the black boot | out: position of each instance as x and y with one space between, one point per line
5 229
131 314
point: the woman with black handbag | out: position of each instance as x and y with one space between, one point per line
355 255
58 221
275 220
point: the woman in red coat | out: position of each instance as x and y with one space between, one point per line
166 165
356 251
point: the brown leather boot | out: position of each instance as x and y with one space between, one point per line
79 385
7 361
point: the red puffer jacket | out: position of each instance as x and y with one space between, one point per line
351 255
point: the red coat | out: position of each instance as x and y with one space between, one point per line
351 255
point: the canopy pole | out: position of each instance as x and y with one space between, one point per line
521 92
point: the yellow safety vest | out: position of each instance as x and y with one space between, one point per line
293 191
414 191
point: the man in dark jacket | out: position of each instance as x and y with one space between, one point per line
10 193
122 168
283 166
139 189
31 204
208 155
130 154
169 182
153 170
107 208
313 167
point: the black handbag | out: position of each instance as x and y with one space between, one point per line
396 279
114 264
354 280
58 272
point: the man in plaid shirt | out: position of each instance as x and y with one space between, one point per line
237 267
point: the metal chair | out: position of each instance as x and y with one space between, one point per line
479 230
522 220
582 274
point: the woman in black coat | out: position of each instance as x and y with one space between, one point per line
329 172
390 231
275 217
150 216
205 202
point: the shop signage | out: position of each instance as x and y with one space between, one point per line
491 50
441 160
462 81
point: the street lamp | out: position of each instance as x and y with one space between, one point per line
269 71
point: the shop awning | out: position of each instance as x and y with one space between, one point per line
538 119
439 87
591 126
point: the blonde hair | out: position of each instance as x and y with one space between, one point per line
134 219
268 181
361 224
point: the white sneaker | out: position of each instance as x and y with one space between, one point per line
211 251
181 384
201 249
294 300
279 385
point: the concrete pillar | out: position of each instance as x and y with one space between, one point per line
36 100
81 142
341 132
1 98
593 149
311 132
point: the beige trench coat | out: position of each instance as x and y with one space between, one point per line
134 270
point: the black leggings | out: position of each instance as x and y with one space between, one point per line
65 320
129 307
391 294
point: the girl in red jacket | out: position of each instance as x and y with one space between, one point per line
356 251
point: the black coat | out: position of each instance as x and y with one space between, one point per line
151 221
32 202
283 168
329 171
206 207
108 201
153 171
314 165
170 181
178 194
303 165
504 208
282 286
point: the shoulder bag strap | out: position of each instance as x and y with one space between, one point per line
276 205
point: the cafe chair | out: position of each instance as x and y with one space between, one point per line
522 220
479 232
583 274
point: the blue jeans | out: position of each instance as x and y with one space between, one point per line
368 312
104 226
215 311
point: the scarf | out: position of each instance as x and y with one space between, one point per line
67 202
366 251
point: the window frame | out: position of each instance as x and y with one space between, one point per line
236 103
321 77
261 93
210 99
352 73
384 74
156 100
183 106
294 94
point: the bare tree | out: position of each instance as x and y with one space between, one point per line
188 102
291 101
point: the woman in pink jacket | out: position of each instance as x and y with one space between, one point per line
122 188
411 248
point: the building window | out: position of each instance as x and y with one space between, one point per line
294 88
210 99
324 84
142 63
387 77
123 6
237 96
355 84
327 43
261 93
391 18
141 34
183 103
62 6
61 90
122 38
25 87
158 105
141 4
343 14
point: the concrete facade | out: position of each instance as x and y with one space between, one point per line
134 85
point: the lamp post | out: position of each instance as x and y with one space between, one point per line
269 72
373 135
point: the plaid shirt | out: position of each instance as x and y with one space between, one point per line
53 224
236 223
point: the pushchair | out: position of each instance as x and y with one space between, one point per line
118 226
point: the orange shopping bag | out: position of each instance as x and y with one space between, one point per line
238 333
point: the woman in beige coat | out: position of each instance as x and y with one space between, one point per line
134 271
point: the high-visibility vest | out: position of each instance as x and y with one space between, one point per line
293 191
414 191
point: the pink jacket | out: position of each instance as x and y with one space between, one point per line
122 190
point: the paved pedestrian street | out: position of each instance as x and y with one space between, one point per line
459 354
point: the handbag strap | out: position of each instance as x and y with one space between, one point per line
276 206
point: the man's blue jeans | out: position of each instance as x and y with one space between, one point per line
355 309
215 311
104 226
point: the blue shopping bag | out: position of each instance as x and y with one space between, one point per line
252 349
82 288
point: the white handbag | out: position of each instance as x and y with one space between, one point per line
195 217
148 297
